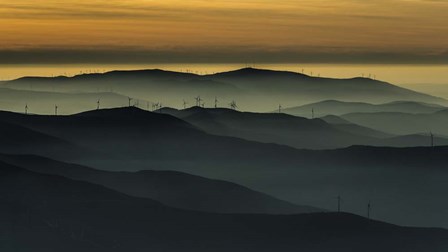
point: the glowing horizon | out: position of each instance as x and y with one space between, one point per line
178 30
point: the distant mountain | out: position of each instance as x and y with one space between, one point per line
333 107
51 213
252 89
171 188
402 123
43 102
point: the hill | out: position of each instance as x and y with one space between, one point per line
171 188
49 213
130 139
333 107
43 102
290 130
402 123
253 89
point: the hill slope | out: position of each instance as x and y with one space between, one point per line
43 102
402 123
290 130
253 89
130 140
49 213
174 189
333 107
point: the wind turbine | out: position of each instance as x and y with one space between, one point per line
216 102
55 110
369 206
233 105
26 109
160 107
98 104
198 101
279 108
339 203
432 138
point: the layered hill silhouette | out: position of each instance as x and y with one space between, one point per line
403 123
254 89
293 131
129 139
22 140
46 212
171 188
344 125
43 102
334 107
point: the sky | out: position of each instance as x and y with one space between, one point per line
252 31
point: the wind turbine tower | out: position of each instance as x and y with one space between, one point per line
98 104
369 206
26 109
216 102
55 110
339 204
198 101
432 139
279 108
233 105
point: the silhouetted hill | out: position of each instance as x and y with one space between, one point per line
402 123
52 213
253 89
22 140
269 128
286 84
344 125
40 102
171 188
290 130
333 107
162 142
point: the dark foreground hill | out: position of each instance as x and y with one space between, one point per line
52 213
171 188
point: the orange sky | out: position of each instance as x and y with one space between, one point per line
329 26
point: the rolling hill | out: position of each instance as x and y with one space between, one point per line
171 188
52 213
402 123
293 131
333 107
43 102
130 139
253 89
